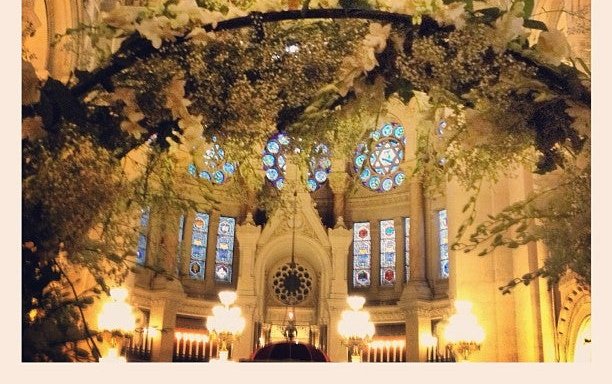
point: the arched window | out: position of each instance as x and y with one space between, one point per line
362 255
443 243
387 253
141 252
224 257
406 249
199 239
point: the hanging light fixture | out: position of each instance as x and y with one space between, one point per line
355 327
116 317
226 323
463 333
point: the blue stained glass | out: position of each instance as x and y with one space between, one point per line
311 185
273 147
225 249
361 261
443 243
374 182
179 250
191 168
280 183
225 242
205 175
282 163
361 278
399 178
387 259
382 158
141 249
272 174
283 139
362 255
387 252
399 132
229 168
196 270
321 176
199 240
441 126
223 273
407 248
218 177
268 160
387 184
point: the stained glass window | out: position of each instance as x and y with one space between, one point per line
274 159
179 247
406 248
443 243
378 165
362 254
224 257
199 240
141 252
318 167
387 252
215 168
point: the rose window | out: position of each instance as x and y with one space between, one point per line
378 165
291 284
215 169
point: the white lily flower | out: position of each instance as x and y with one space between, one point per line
552 47
377 38
453 13
507 28
157 29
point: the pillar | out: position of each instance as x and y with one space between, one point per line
164 305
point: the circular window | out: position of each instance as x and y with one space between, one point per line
378 165
318 167
291 284
274 159
215 169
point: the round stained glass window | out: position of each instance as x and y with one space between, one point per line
292 283
319 166
378 166
216 169
274 161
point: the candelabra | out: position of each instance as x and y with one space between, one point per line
117 318
463 333
355 327
226 323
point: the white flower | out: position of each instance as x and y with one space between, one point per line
122 18
507 28
377 38
552 47
453 13
157 29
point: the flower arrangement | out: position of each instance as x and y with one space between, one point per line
170 74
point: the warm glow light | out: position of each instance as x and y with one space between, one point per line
463 326
227 298
463 332
112 356
355 327
429 340
117 314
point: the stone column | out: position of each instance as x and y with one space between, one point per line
417 286
247 235
340 239
418 324
164 305
336 351
338 181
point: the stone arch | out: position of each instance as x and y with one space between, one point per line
574 315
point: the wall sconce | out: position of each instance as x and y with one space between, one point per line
463 333
226 323
116 317
355 327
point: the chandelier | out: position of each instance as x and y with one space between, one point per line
355 327
226 323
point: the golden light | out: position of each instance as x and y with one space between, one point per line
117 314
355 327
463 332
112 356
226 323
